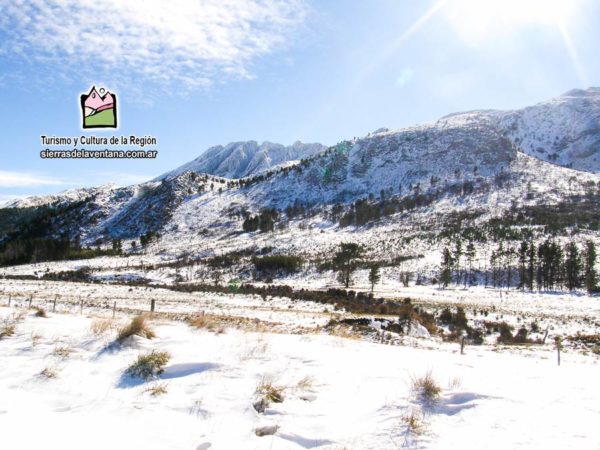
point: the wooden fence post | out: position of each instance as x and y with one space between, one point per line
30 300
54 303
558 342
114 309
152 304
9 299
81 307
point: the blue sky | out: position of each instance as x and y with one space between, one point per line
198 73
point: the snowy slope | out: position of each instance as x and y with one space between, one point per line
480 160
243 159
338 393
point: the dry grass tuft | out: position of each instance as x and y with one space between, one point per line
7 329
414 422
40 312
267 389
49 373
426 387
62 351
137 327
149 365
100 327
205 322
157 389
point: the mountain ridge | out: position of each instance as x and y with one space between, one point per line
486 159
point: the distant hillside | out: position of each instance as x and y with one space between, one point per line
243 159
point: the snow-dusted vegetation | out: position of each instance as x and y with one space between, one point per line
432 287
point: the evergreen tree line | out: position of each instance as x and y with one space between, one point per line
265 221
545 266
34 250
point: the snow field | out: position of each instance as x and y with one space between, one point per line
356 395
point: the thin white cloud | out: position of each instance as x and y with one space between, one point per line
184 43
26 179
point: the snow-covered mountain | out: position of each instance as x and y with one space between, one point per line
481 160
564 130
243 159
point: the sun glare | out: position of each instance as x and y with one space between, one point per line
477 17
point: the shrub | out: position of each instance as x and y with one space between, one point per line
426 387
7 329
149 365
40 312
269 391
505 330
137 327
62 351
414 421
277 263
157 389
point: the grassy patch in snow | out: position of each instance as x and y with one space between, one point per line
149 365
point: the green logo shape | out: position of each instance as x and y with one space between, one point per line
99 109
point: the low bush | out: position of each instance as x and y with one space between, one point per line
269 391
426 387
7 329
157 389
62 351
40 312
277 263
414 421
149 365
137 327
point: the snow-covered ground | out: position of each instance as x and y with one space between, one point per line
356 394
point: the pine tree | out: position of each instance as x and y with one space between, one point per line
470 255
447 264
573 266
458 252
590 276
531 265
509 254
374 275
345 261
523 254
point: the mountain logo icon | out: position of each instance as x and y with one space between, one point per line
99 109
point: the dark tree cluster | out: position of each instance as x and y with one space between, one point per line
265 221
